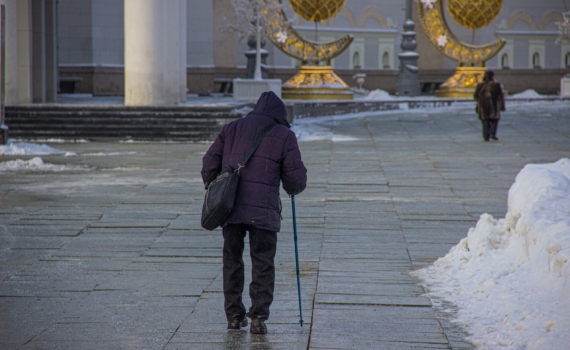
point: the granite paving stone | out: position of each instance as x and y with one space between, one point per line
108 259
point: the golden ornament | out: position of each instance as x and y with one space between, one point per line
474 14
316 10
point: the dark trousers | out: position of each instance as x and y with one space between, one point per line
489 128
263 245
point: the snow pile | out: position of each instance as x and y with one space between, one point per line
379 94
312 132
23 148
52 140
530 93
510 278
36 164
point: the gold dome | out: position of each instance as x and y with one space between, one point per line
316 10
474 14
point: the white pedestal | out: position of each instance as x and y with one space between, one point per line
250 90
565 86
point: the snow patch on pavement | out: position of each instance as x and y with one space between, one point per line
37 165
24 148
530 93
52 140
315 132
510 278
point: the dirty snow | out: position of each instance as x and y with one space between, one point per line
24 148
530 93
510 278
52 140
37 164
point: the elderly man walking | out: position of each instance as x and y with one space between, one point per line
490 102
257 209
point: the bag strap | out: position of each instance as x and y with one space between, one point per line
255 145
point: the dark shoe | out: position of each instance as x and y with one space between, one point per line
495 138
258 326
486 140
237 324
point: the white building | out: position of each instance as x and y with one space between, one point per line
81 43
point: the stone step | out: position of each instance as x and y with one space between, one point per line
184 123
160 124
102 136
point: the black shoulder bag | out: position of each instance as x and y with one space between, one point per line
221 193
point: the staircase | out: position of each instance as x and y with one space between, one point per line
104 122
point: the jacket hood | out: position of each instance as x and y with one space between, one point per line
269 104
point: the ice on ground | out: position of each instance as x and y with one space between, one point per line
110 154
379 94
24 148
530 93
510 278
37 165
121 169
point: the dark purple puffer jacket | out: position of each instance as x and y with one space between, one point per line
276 159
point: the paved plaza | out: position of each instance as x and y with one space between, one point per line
109 254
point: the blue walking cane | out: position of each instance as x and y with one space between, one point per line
297 260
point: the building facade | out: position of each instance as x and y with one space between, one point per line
80 46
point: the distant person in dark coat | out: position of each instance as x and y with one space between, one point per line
258 208
490 102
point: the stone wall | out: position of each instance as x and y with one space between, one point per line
96 80
110 80
544 81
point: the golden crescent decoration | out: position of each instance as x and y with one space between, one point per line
316 10
438 33
288 40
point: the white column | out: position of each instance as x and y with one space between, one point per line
24 15
144 53
170 52
153 54
536 46
509 50
51 51
183 55
11 54
386 44
357 45
38 51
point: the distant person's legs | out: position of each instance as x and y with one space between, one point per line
494 127
486 128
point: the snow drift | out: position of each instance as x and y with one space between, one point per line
379 94
37 164
530 93
24 148
509 278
